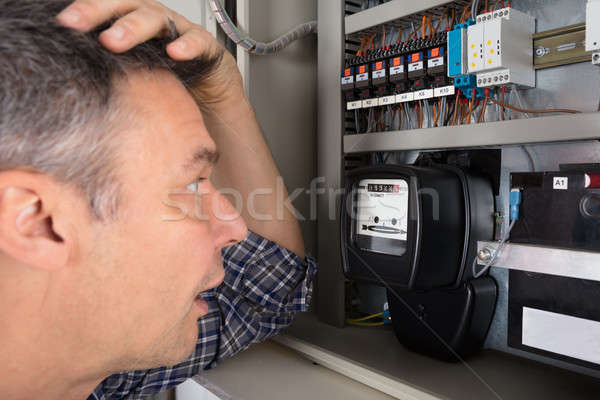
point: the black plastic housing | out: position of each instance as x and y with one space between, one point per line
379 73
397 69
420 72
445 324
568 218
449 210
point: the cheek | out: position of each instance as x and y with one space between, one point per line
161 266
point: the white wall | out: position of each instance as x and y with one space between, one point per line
191 9
282 89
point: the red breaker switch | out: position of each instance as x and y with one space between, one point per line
592 181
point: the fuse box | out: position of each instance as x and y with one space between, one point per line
403 72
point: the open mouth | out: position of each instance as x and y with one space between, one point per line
201 304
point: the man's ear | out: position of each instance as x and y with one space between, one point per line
27 231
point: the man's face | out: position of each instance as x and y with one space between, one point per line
145 269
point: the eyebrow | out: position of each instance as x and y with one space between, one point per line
203 155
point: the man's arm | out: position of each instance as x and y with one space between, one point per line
246 164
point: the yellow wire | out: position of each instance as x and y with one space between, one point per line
365 318
364 323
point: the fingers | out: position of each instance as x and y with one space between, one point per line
140 20
132 29
193 43
85 15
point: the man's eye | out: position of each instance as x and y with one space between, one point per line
193 187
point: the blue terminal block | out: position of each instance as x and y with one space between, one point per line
465 25
455 52
466 84
457 47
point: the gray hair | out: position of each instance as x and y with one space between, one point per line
58 106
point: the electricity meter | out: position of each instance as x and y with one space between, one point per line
414 227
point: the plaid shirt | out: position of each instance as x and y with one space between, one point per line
265 286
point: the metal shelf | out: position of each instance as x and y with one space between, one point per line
388 12
535 130
374 357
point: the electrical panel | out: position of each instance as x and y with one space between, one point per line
429 107
438 69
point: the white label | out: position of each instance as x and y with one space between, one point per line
382 208
443 91
560 183
362 77
424 94
379 74
435 62
353 105
383 101
370 103
397 70
347 80
404 97
562 334
415 66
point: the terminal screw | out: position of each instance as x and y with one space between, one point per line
541 51
485 255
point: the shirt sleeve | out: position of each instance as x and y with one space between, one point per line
265 286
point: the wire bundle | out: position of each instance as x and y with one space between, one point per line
364 320
251 45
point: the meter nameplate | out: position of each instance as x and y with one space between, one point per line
382 209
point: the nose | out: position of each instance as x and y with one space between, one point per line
227 225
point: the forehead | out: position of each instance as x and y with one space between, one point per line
166 128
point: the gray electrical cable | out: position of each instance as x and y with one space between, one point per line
488 265
409 119
474 8
251 45
518 95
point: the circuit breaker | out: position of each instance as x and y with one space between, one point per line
592 26
592 29
499 48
